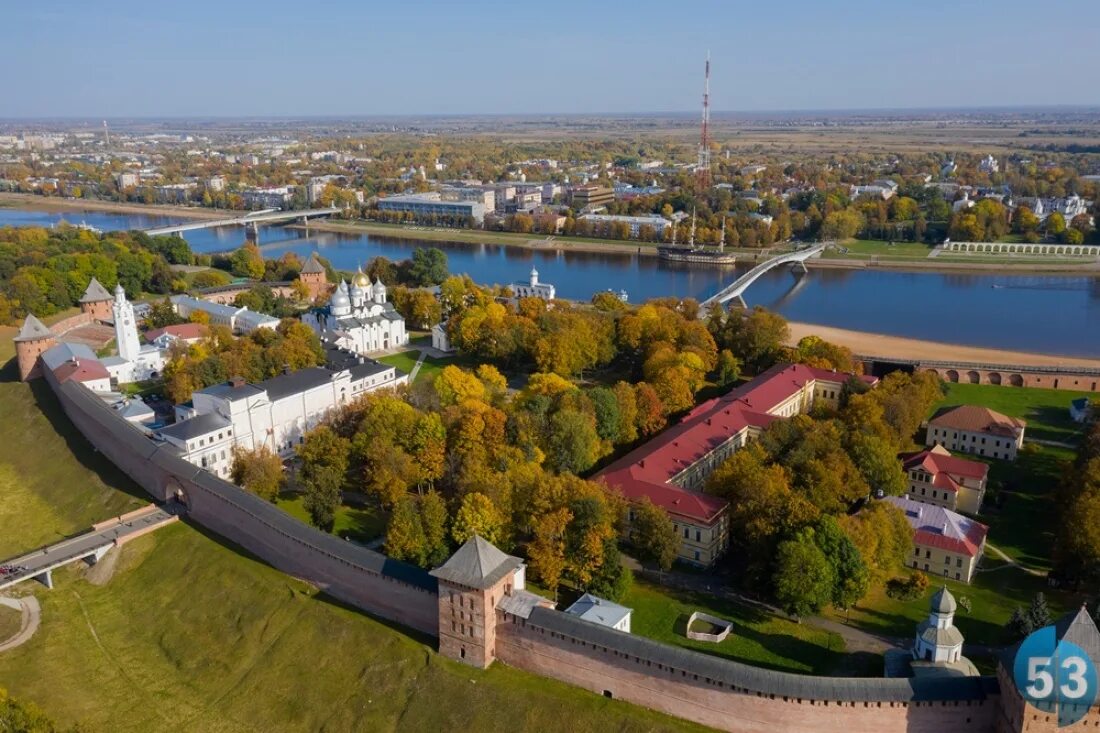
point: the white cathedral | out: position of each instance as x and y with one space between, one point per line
359 318
135 362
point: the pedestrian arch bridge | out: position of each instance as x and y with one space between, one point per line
736 289
1068 250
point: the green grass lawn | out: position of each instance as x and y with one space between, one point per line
1020 519
361 524
192 634
993 595
757 638
1046 410
863 248
52 484
406 360
10 622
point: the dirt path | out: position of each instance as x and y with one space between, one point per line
876 344
32 614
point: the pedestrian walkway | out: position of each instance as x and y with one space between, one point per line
416 366
31 615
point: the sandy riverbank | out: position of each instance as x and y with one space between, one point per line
47 203
874 344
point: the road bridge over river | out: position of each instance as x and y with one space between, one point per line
736 289
255 218
90 546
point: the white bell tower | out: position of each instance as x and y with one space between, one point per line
126 335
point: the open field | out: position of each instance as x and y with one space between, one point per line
10 622
993 596
191 634
1020 518
1046 410
757 638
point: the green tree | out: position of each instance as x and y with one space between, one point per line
210 279
608 414
434 519
804 580
654 535
259 471
851 577
405 536
324 463
878 463
162 313
572 442
728 370
247 261
428 266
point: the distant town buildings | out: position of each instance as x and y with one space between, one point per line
269 197
945 543
937 477
989 165
590 197
432 204
533 288
656 222
978 431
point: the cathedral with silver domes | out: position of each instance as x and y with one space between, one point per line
359 318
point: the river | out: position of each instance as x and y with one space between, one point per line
1053 314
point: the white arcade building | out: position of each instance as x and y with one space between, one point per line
135 361
359 318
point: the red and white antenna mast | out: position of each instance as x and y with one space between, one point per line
702 170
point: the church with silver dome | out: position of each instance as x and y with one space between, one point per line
359 318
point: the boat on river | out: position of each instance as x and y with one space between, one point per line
697 255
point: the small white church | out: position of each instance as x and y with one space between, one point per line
937 648
135 361
359 318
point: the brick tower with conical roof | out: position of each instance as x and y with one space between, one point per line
33 339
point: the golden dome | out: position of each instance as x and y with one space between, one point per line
361 280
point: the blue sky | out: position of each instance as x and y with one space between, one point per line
121 58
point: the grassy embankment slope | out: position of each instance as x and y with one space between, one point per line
1021 522
191 634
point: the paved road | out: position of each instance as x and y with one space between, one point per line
76 548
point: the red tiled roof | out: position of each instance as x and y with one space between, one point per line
81 371
646 470
975 419
943 466
184 331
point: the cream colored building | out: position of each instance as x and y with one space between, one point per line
978 431
945 544
937 477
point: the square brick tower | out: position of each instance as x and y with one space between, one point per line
32 340
97 301
313 277
471 583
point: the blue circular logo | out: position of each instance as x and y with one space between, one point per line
1055 677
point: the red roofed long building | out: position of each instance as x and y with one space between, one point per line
672 468
944 543
937 477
